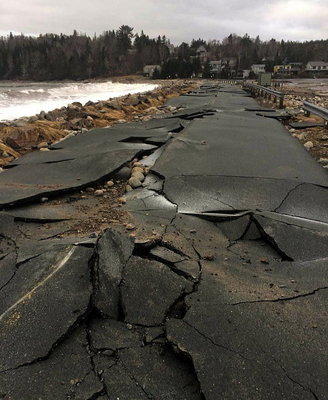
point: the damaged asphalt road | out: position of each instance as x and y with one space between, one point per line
219 292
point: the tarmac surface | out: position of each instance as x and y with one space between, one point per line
220 292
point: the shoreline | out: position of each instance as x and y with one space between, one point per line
37 132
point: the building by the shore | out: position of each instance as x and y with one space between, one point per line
290 69
316 66
149 70
258 68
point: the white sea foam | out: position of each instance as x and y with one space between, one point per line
26 100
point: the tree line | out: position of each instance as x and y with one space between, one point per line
121 52
77 56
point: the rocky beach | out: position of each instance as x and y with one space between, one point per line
315 137
27 134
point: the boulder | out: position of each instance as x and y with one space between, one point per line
132 101
115 105
137 169
134 182
308 145
19 138
138 175
73 113
20 123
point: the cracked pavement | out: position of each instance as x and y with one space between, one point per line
219 292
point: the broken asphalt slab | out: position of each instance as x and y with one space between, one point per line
217 290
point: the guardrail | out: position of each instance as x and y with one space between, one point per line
230 81
310 108
266 92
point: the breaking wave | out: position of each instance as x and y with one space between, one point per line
18 100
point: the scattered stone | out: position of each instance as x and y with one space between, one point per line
44 149
130 227
99 192
134 182
299 136
323 160
203 142
128 188
324 137
137 169
110 184
89 190
264 260
42 145
138 175
308 145
122 200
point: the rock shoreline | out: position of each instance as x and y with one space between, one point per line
27 134
314 138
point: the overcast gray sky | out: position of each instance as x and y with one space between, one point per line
179 20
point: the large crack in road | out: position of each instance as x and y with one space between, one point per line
209 283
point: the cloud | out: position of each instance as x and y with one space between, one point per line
180 20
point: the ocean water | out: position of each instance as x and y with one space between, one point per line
19 99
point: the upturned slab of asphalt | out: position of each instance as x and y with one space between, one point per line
220 292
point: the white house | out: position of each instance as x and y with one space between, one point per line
230 62
149 70
215 66
258 68
316 66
